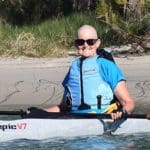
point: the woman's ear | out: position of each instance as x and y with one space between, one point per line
98 43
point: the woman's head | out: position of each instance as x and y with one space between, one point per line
87 41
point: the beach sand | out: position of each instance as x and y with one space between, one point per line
36 82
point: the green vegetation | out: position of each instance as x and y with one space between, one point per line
48 38
47 28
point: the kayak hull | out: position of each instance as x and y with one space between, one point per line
40 129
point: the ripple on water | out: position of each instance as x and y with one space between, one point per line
132 142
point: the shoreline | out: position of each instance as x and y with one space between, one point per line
57 61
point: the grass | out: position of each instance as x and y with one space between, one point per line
50 38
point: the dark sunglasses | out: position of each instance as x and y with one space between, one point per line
80 42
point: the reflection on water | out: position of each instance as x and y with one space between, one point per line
132 142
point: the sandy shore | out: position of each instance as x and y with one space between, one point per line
28 82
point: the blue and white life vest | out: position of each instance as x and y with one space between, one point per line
93 85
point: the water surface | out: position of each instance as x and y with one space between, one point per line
130 142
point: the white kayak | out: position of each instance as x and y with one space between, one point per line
40 129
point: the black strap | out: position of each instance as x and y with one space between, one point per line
81 81
83 104
104 54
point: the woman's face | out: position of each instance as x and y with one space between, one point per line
87 43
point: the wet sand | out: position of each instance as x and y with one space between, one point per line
29 82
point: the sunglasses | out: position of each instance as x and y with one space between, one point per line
80 42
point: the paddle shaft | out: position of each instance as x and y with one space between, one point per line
108 116
20 113
84 115
138 116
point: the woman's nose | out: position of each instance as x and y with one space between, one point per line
85 44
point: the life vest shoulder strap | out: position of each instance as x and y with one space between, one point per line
102 53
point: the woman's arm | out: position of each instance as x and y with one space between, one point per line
122 93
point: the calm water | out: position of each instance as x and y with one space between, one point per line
136 142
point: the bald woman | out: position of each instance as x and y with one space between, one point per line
93 80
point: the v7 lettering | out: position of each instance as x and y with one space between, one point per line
21 125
